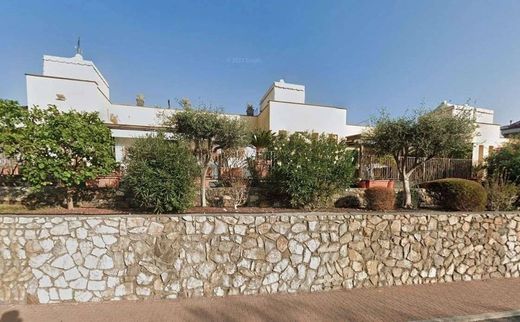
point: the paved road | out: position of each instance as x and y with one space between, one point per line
401 303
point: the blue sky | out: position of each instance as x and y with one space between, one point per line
363 55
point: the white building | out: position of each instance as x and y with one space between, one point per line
487 135
76 83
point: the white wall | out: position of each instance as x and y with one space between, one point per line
75 67
79 95
283 92
137 115
355 129
302 117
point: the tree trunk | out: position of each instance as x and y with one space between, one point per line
407 192
203 186
70 200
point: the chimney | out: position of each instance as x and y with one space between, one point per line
139 100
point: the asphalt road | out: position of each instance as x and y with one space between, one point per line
460 301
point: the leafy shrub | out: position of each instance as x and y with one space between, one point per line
380 198
501 194
309 170
506 161
160 174
262 138
348 201
65 149
457 194
400 196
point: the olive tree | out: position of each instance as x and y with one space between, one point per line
65 149
208 131
420 136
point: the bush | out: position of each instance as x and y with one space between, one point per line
380 198
309 170
399 200
501 195
349 201
160 174
506 161
457 194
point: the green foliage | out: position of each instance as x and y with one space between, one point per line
422 136
262 138
208 131
160 174
457 194
380 198
65 149
309 170
506 161
12 131
502 195
400 198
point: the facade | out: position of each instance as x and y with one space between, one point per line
487 135
513 129
76 83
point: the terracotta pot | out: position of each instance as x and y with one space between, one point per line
376 183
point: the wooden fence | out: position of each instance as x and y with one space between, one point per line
376 168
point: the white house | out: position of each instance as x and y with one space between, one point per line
76 83
487 135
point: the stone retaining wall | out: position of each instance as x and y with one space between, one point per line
93 258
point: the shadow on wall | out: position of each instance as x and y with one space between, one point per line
11 316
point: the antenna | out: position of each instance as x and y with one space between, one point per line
78 47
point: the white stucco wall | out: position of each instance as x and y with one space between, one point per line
79 95
283 92
303 117
75 67
136 115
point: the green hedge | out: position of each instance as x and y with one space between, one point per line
161 175
457 194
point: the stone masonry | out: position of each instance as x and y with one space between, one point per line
49 259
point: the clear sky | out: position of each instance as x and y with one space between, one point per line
363 55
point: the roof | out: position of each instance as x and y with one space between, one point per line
511 126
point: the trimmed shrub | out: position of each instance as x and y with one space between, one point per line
400 196
380 198
160 174
349 201
309 169
457 194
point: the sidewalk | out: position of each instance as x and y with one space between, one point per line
400 303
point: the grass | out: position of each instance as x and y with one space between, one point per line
12 208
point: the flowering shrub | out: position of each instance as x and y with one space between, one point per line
309 170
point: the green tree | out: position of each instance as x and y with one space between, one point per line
65 149
505 162
208 131
12 129
160 174
421 137
309 169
